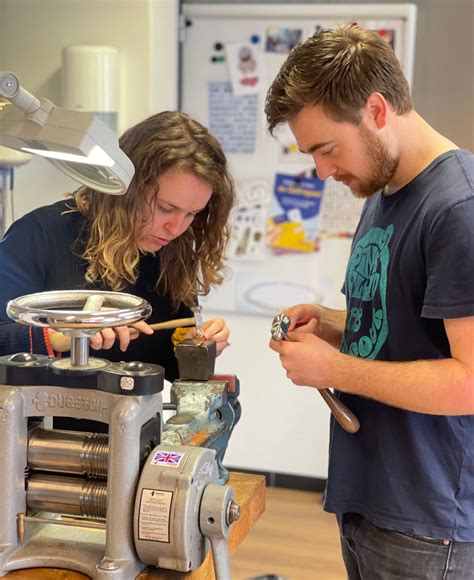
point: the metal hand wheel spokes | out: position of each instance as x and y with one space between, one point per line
68 311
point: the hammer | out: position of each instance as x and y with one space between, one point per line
175 323
344 416
195 320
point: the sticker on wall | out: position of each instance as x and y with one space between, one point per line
390 30
245 64
388 34
294 222
282 40
289 151
249 221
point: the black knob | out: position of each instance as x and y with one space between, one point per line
135 367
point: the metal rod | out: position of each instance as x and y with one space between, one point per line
71 522
93 303
68 344
80 344
79 351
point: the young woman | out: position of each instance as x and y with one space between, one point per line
163 241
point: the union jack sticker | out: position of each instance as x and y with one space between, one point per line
169 458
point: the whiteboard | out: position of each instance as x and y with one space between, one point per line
260 281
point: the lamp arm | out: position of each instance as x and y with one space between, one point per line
36 110
77 142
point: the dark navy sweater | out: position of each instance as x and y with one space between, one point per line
40 252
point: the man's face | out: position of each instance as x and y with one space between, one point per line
349 153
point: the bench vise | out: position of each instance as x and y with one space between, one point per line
206 405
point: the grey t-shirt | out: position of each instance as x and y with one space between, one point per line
411 266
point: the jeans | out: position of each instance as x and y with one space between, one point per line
372 553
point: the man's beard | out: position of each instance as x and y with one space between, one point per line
382 166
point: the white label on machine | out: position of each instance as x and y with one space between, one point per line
154 515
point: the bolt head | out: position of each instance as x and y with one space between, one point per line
234 512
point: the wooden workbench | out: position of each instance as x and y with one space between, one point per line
249 491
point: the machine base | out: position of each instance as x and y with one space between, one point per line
73 549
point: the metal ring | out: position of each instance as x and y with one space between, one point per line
280 326
62 310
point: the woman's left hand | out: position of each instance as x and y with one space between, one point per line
216 330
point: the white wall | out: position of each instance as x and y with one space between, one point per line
284 428
34 32
32 36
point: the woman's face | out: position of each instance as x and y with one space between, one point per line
170 212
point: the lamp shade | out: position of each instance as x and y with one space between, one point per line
76 142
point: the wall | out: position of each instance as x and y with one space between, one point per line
32 36
444 61
443 88
283 428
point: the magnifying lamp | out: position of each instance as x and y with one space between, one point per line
78 143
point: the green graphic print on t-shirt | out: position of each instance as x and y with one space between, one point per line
366 292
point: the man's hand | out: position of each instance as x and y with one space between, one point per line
307 359
326 323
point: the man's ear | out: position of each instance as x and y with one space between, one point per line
377 109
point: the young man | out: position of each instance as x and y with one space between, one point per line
401 356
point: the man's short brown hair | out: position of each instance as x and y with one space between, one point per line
338 70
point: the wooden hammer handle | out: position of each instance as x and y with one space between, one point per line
176 323
62 343
344 416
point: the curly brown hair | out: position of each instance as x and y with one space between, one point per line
193 262
338 70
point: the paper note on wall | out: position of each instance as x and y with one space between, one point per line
340 210
232 119
245 64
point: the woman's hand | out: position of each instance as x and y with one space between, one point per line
216 330
104 339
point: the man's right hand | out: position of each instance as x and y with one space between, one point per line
324 322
